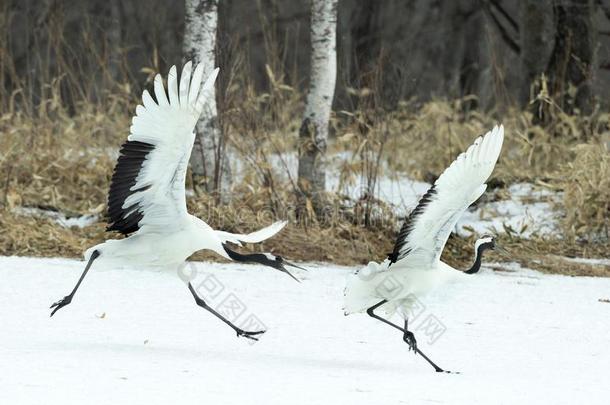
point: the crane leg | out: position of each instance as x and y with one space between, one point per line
68 298
240 332
408 336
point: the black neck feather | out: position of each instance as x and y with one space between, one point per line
476 266
252 257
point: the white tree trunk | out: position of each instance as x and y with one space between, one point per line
313 134
209 165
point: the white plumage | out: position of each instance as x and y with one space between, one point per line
167 234
414 267
146 200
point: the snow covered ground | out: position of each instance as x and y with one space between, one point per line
136 337
528 210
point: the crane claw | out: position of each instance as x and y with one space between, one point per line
249 335
409 338
60 304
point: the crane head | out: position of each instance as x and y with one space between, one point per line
488 242
485 242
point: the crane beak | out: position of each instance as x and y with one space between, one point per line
294 265
283 269
501 250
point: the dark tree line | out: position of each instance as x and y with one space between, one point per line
497 50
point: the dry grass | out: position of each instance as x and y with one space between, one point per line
429 137
586 201
28 236
58 161
58 157
66 163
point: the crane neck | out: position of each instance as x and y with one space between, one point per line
478 255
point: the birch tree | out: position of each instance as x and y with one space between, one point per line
313 134
209 165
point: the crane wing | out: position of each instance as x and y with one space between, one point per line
424 233
147 188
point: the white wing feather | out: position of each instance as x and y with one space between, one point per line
461 184
169 126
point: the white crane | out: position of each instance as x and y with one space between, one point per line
414 264
147 202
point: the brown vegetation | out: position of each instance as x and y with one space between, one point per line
64 162
60 134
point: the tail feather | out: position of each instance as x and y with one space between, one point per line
253 237
359 294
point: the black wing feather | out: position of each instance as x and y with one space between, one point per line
408 225
130 162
